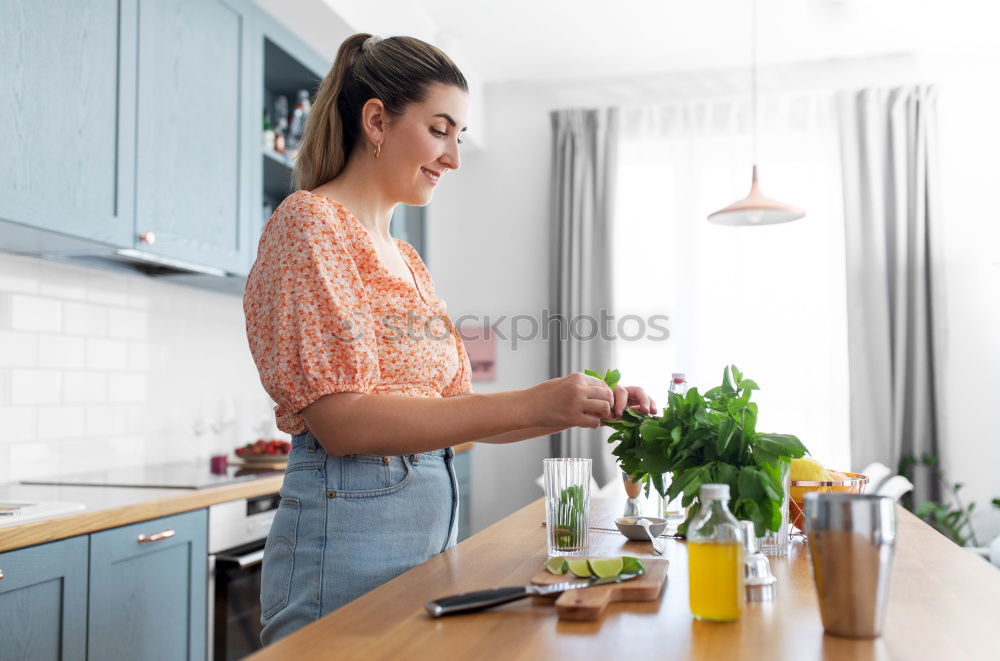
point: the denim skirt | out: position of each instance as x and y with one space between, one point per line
345 525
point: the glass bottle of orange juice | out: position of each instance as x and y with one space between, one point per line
715 558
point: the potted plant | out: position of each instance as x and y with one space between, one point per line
710 438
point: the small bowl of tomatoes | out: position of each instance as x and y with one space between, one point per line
265 451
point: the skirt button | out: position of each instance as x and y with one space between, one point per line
385 460
331 494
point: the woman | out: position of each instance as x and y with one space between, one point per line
374 404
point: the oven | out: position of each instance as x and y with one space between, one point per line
237 531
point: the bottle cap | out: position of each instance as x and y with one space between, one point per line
715 491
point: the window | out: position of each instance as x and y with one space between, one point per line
769 299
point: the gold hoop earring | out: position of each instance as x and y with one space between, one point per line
378 149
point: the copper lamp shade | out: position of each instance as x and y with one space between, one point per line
755 209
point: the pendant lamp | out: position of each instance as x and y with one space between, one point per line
755 208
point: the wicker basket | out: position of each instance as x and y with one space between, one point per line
854 484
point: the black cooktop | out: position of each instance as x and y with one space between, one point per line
178 475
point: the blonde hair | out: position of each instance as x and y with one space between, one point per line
397 71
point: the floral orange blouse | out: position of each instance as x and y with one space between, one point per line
324 315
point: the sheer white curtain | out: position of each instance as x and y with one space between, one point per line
769 299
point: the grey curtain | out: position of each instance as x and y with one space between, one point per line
584 145
890 187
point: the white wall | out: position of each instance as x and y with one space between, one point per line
488 254
489 235
101 369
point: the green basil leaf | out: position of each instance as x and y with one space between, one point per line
781 444
749 483
612 377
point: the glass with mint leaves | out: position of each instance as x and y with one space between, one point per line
567 505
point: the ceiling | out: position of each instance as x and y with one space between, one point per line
550 40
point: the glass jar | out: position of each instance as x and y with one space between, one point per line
715 558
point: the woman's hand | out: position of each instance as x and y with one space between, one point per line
635 398
575 400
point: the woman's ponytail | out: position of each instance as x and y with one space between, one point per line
323 153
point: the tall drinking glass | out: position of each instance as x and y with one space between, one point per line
567 505
777 543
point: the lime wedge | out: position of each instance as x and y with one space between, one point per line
557 565
632 565
606 567
579 568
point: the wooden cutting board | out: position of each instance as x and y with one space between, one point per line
589 604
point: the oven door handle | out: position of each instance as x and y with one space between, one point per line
243 561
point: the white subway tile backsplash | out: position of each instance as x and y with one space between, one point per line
128 324
63 287
35 386
107 289
61 351
17 424
126 388
34 313
104 420
100 369
138 356
82 456
18 349
4 464
60 422
21 280
4 386
36 459
85 319
126 451
107 354
85 387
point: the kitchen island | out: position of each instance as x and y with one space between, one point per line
944 603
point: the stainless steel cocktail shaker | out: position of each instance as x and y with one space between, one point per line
851 540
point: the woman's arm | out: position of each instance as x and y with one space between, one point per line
518 434
356 423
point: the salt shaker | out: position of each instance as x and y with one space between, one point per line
758 578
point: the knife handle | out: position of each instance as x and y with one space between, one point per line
473 601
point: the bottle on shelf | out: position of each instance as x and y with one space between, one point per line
268 133
298 125
678 384
280 123
715 558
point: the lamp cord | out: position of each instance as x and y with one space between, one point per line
753 77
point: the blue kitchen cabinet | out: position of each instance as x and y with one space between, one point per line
43 601
68 106
463 472
193 122
148 589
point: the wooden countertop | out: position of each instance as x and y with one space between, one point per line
110 507
944 603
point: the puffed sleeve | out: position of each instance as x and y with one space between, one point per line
309 329
462 383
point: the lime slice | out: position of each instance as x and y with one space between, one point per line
579 568
632 565
557 565
606 567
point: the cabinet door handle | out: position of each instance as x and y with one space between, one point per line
166 534
148 237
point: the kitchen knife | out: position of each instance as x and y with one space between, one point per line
473 601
